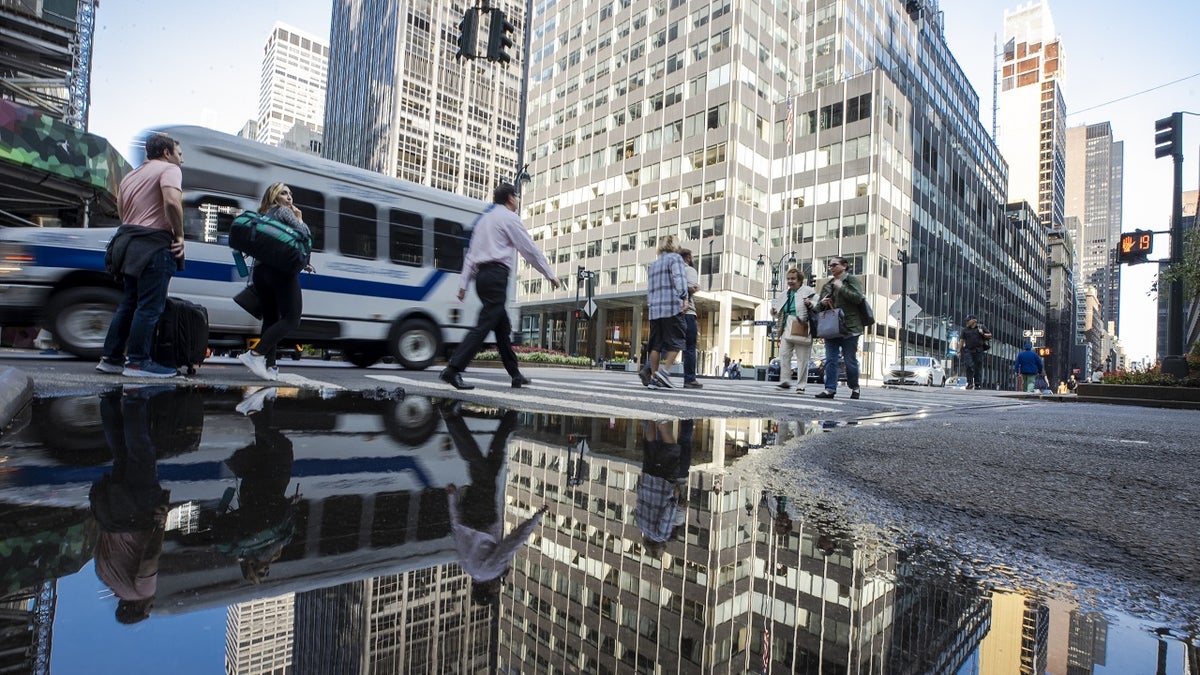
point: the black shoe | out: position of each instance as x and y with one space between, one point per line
854 394
454 379
521 381
784 385
644 374
825 394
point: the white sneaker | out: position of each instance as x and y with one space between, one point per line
665 378
110 368
253 402
257 364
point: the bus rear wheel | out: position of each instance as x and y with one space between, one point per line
415 343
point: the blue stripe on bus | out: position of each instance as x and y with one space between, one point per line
204 270
28 476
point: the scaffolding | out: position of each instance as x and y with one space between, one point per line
46 58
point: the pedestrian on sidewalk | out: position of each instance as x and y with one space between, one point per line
691 327
974 341
842 291
1029 366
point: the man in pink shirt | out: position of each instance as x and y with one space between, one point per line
143 255
498 234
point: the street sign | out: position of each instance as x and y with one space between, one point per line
1033 332
764 322
590 307
914 281
911 311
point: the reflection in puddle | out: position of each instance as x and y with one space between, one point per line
404 534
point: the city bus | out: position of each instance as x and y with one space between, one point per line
387 256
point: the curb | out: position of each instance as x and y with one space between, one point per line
16 391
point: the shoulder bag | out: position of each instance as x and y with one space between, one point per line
248 299
868 314
831 323
799 328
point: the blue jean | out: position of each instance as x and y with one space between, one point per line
132 329
690 332
972 362
847 348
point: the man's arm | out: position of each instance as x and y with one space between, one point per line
173 205
525 245
679 282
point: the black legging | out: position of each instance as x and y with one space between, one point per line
282 304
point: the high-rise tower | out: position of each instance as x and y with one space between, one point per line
399 103
1095 168
1033 118
292 90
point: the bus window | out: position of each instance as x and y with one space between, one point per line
356 229
406 237
312 206
208 217
449 245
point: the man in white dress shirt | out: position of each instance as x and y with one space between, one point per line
498 235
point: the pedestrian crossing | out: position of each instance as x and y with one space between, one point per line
613 396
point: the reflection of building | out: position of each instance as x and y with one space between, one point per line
26 626
1095 167
840 128
1018 639
292 87
749 575
258 636
399 102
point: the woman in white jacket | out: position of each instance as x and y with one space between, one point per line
793 330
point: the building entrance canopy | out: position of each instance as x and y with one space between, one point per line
51 169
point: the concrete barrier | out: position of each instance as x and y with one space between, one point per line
16 391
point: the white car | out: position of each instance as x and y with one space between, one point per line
924 370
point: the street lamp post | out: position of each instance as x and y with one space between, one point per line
776 270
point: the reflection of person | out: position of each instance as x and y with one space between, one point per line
667 299
144 254
662 487
278 290
794 310
263 522
691 328
498 235
483 552
843 291
974 343
129 504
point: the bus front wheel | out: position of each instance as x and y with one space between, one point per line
415 343
79 319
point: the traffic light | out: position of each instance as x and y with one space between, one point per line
500 38
1043 351
1168 137
1135 246
468 34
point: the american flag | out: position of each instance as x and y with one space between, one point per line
787 124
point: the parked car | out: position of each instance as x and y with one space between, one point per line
816 370
922 370
773 370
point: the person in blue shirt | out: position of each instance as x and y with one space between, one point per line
1028 365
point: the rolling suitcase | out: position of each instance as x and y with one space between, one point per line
181 337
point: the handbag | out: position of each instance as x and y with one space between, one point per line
247 299
868 314
799 328
831 323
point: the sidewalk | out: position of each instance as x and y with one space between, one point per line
16 391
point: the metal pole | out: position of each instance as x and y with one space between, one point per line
1175 298
902 256
521 166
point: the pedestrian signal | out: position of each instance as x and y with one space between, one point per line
1135 246
1043 351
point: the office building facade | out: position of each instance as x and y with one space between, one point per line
1095 168
1032 112
399 102
757 135
259 636
292 85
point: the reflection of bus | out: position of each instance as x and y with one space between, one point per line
387 255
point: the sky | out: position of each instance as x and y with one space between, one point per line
199 63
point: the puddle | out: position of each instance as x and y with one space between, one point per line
317 534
